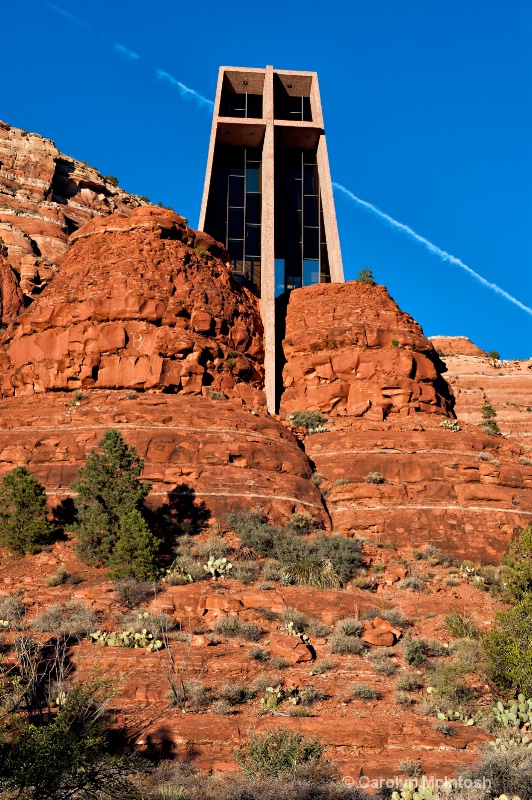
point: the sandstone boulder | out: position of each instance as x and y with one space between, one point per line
136 306
351 351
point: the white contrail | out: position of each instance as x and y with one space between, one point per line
125 51
185 91
432 247
67 15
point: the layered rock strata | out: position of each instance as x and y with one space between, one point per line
141 302
204 457
45 196
478 380
351 351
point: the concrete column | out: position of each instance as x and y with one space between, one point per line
268 243
329 214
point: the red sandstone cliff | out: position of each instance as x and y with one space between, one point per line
350 350
45 196
478 380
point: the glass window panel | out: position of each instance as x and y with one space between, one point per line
311 272
306 109
310 211
255 106
236 191
311 243
252 179
310 179
236 248
279 277
235 225
253 208
238 105
253 240
254 153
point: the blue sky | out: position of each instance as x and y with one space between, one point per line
428 114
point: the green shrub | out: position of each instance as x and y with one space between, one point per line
132 593
276 752
381 662
24 526
417 651
12 611
349 627
408 682
111 179
494 354
259 653
508 648
488 412
73 619
307 419
374 477
461 625
111 528
57 579
301 522
517 566
448 685
232 627
394 343
490 427
346 645
366 276
363 691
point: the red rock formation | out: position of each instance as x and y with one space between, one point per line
136 306
455 345
504 384
463 492
196 450
10 293
351 351
44 196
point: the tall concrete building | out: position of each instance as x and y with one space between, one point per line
268 194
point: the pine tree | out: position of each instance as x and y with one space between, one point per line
24 526
109 493
135 549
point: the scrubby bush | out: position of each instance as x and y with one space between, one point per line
494 354
349 627
507 772
447 684
301 522
517 566
374 477
111 527
461 625
381 662
307 419
408 682
366 276
132 593
24 526
346 645
417 651
12 611
277 752
363 691
232 627
508 648
73 619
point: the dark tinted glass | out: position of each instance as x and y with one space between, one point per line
311 243
236 191
311 272
253 240
310 211
235 227
310 180
255 106
236 248
306 109
253 208
252 179
295 108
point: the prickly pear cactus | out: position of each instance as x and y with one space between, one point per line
135 639
217 567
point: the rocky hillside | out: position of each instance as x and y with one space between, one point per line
478 380
44 197
348 553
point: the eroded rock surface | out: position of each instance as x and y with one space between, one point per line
351 351
506 385
135 305
44 196
204 457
